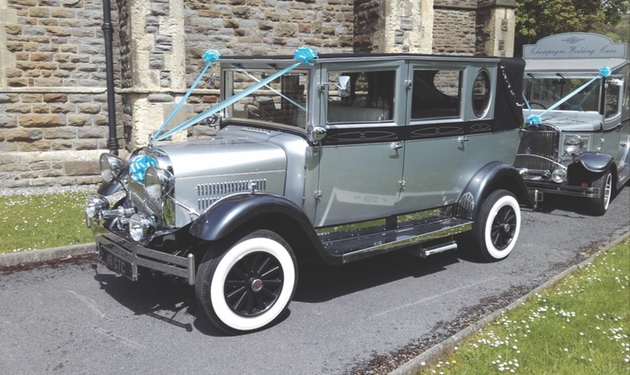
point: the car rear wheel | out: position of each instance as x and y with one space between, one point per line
248 284
497 226
599 205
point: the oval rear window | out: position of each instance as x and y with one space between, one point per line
481 93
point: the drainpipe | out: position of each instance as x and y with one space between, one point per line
112 142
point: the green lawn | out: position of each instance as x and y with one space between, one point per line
578 327
30 222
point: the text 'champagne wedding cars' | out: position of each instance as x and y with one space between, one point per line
332 158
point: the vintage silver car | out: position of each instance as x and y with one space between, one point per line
332 158
576 139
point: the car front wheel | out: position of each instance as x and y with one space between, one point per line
246 284
498 225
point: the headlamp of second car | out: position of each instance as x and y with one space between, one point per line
559 175
573 144
158 182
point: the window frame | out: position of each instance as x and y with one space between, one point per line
397 66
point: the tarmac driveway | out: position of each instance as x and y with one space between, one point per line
79 318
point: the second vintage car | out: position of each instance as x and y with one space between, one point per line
332 158
577 135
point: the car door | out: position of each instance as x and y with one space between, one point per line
433 151
360 159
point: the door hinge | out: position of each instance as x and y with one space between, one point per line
317 195
402 184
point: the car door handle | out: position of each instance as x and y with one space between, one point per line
396 145
462 139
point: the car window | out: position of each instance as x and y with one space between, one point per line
282 101
543 92
436 93
612 97
481 93
368 96
626 101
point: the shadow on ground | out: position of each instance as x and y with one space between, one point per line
172 301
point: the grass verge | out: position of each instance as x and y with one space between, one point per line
31 222
578 327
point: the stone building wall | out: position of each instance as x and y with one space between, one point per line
454 32
53 102
495 28
454 26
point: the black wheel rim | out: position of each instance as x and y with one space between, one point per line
503 227
253 284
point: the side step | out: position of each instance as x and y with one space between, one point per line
356 246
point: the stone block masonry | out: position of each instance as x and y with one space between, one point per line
53 103
53 106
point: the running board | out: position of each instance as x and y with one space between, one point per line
358 247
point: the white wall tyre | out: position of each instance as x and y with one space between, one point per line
498 226
249 285
599 205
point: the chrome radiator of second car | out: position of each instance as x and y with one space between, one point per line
537 149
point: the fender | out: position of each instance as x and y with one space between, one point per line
496 175
109 188
231 212
594 162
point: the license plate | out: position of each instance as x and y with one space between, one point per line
115 263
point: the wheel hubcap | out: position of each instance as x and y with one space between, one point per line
257 285
253 284
503 227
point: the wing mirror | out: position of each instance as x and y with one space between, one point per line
343 83
342 86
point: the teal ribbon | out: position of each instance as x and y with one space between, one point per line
138 166
209 57
302 55
535 120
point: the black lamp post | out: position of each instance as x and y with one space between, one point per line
112 142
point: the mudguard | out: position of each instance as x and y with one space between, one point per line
493 176
109 188
594 162
231 212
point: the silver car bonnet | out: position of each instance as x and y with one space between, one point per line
206 171
222 156
578 122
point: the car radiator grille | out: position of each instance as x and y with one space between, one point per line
144 204
536 143
209 193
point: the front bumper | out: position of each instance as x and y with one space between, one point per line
535 186
124 257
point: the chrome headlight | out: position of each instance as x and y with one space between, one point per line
94 207
559 175
573 144
140 227
112 167
158 182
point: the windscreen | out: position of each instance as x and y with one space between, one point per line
282 101
544 91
